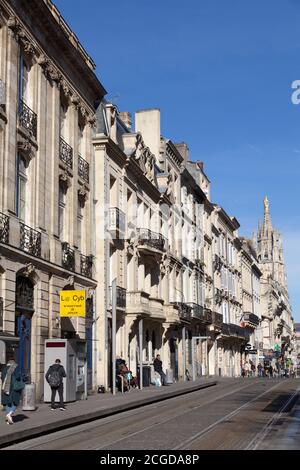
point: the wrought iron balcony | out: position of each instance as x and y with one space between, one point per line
30 240
121 297
184 310
217 264
83 169
66 153
2 93
151 239
251 319
230 329
4 228
27 119
207 313
68 257
217 319
86 265
197 310
116 220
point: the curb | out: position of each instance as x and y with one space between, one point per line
49 428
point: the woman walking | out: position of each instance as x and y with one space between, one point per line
12 386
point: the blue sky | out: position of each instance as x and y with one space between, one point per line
221 73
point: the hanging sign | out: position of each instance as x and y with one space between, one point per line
72 303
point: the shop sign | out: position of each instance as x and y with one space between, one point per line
72 303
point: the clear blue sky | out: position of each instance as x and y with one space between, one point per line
221 73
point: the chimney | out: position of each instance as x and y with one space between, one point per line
147 122
183 149
200 165
125 116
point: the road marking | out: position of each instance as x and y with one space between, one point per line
213 425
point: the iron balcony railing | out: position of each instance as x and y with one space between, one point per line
86 265
121 297
217 318
207 315
217 264
230 329
66 153
116 220
184 310
152 239
4 228
197 310
30 240
68 257
27 119
251 318
2 93
83 169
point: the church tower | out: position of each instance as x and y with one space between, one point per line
269 246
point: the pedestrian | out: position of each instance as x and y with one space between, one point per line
270 371
259 370
253 370
54 377
247 368
11 390
158 368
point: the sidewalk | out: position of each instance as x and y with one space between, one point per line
30 424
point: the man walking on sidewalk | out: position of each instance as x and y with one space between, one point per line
54 377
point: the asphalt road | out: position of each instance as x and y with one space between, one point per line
245 414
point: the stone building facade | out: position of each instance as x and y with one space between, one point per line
46 183
86 199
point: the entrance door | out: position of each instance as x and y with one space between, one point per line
174 357
23 331
24 313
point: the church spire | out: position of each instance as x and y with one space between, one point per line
267 226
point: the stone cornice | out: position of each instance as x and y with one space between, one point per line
53 72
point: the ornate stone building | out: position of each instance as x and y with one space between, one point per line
46 180
277 320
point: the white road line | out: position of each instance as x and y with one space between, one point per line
230 415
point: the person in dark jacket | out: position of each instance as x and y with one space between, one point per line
56 373
157 363
11 390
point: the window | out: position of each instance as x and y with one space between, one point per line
79 224
23 80
61 212
21 188
63 117
80 139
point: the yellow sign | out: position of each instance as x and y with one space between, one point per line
72 303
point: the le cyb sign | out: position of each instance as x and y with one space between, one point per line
72 303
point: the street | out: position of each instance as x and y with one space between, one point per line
247 414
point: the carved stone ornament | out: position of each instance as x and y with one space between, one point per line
27 45
64 179
13 24
71 281
65 88
26 149
91 119
82 195
50 71
75 100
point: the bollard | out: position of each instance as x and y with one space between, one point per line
29 397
